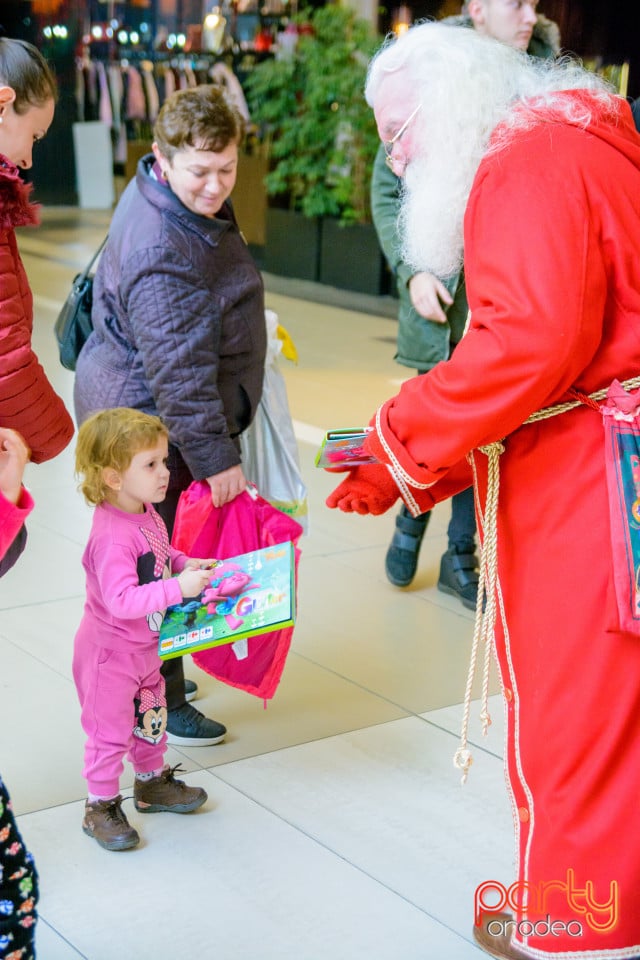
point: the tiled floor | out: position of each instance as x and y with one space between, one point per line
336 825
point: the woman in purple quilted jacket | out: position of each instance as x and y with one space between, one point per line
178 316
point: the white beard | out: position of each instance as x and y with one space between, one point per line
434 198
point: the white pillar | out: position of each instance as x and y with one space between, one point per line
366 10
94 165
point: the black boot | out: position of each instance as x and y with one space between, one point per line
402 556
459 574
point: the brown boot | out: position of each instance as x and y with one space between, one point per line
165 793
494 936
106 823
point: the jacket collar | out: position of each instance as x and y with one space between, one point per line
161 196
15 208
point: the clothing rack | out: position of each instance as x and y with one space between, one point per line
127 92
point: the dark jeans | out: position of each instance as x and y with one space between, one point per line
173 670
18 887
462 526
461 531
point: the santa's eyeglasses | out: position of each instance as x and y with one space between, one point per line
389 144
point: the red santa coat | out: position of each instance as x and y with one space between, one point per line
552 257
28 402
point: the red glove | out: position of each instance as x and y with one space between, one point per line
367 489
373 445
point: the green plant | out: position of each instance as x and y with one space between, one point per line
310 108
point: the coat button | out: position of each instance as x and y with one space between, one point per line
508 694
523 814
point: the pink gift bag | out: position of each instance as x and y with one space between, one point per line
246 523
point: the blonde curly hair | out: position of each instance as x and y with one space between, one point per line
111 438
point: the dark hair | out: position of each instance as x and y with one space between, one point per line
24 69
197 117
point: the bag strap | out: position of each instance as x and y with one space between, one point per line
87 270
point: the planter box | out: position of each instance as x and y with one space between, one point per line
351 258
292 247
319 249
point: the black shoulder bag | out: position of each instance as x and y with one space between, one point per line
73 326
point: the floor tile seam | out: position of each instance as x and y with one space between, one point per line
298 830
37 523
58 216
42 920
335 853
80 595
406 710
126 794
476 744
438 600
211 768
381 578
26 251
29 653
360 686
346 548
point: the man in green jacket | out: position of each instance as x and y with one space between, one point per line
433 310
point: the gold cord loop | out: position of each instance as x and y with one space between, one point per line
489 589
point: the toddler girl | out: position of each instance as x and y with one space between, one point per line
121 459
18 875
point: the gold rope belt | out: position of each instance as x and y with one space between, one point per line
489 589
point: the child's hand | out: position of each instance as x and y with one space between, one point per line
193 581
14 456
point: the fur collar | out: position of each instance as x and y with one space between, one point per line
15 208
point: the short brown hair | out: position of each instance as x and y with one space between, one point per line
24 69
197 117
111 438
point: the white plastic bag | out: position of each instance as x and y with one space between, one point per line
269 449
